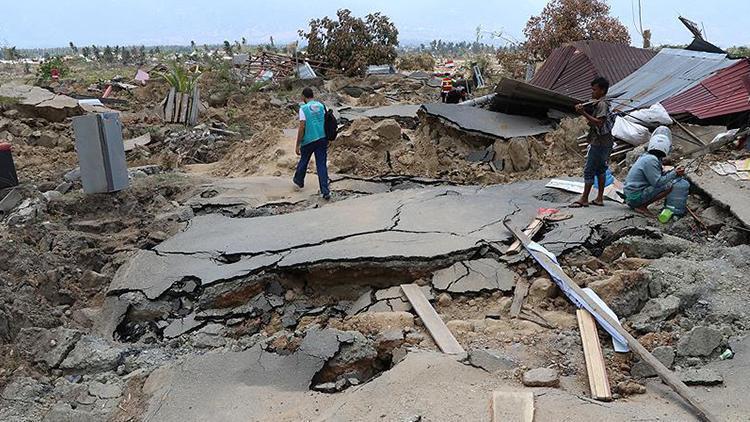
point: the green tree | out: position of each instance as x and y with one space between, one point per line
563 21
73 47
108 56
126 56
349 43
228 48
86 51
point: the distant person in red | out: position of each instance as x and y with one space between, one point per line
55 72
447 86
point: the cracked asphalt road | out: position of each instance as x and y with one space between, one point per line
400 226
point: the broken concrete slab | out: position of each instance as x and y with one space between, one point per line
153 273
404 228
474 276
238 384
37 102
701 376
490 360
484 122
733 195
131 144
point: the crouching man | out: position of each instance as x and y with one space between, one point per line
647 183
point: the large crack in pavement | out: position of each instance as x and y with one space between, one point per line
393 230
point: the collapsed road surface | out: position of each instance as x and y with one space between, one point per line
405 234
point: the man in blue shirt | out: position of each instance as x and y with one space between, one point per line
311 139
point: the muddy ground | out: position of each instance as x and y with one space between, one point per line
210 290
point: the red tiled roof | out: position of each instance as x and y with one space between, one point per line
724 93
569 69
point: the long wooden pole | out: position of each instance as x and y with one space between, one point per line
666 375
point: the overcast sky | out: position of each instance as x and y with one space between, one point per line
53 23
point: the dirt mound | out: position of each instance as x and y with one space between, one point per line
269 152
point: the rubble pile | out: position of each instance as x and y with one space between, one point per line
211 267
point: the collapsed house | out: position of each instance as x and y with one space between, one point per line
569 69
669 73
723 98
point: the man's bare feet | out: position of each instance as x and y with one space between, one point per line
579 204
598 202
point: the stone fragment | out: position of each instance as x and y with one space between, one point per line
519 153
25 389
323 344
388 129
541 377
701 376
362 303
62 412
713 217
93 354
47 346
105 391
490 360
700 341
655 311
625 291
542 288
665 355
181 326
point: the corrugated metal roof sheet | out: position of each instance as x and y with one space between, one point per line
724 93
669 73
570 69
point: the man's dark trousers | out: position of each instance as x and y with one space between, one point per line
320 149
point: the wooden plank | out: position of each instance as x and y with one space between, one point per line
519 294
184 108
531 230
592 353
177 107
169 108
435 325
512 406
664 373
194 106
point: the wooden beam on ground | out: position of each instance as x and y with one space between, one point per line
592 353
664 373
437 328
512 406
519 294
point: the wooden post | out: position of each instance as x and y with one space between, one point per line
195 102
664 373
169 108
